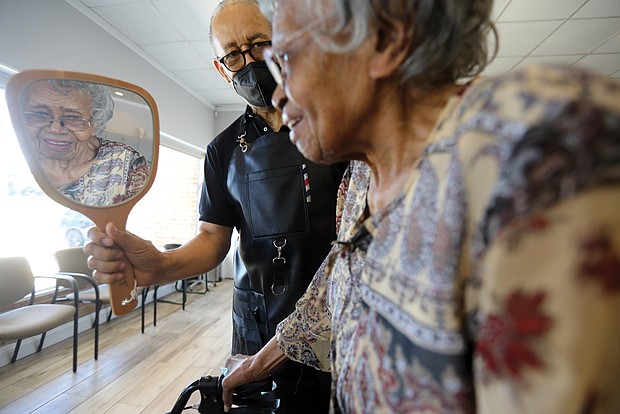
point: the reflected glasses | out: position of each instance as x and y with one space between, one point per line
42 120
235 60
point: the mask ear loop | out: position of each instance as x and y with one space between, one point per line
133 295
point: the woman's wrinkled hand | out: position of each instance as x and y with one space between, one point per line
240 372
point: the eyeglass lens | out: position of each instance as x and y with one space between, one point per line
274 66
235 60
39 120
275 60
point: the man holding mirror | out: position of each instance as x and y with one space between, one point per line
65 120
283 205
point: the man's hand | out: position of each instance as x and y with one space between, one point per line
111 252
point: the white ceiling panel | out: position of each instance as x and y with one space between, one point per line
140 22
191 18
173 35
177 56
599 8
611 46
527 10
501 65
565 60
579 36
498 8
606 64
520 38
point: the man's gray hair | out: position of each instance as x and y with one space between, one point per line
221 6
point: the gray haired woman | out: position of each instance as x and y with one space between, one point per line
477 266
66 120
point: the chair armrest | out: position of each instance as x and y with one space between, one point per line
67 278
91 280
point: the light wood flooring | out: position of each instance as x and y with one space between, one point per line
135 372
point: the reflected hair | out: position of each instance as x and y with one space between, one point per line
101 100
448 37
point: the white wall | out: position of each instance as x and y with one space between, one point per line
51 34
224 119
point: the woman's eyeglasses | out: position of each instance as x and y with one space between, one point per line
235 60
42 120
276 60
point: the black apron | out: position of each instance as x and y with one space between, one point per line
289 207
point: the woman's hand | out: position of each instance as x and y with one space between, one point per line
243 369
240 372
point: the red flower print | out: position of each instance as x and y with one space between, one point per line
600 263
505 340
537 222
524 226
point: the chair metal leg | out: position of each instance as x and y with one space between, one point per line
145 292
16 351
75 340
182 290
97 310
155 305
40 347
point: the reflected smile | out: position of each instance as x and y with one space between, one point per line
56 143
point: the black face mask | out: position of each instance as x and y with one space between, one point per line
255 84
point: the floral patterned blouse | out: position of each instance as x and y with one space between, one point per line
118 173
492 283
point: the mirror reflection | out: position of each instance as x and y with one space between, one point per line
93 142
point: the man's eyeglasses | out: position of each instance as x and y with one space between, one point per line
42 120
235 60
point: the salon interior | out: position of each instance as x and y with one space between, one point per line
157 53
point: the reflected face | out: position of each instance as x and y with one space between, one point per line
66 134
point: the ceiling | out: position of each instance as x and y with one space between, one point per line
173 36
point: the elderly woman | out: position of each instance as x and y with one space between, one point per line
477 266
65 121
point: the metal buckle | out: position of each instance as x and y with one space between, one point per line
283 262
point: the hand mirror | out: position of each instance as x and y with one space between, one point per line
91 143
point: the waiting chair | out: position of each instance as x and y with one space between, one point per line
74 262
183 290
17 282
145 292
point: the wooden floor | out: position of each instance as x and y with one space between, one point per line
135 373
